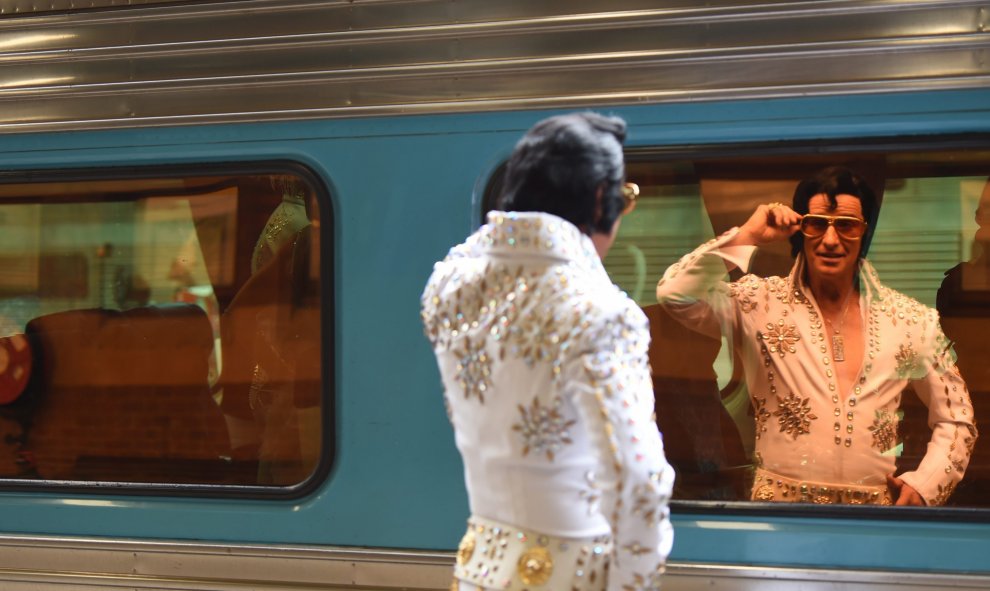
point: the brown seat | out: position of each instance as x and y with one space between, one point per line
124 395
701 440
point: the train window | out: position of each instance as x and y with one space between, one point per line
735 426
160 328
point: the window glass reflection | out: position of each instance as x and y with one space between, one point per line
160 330
926 246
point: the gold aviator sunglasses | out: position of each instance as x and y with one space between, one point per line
630 191
850 228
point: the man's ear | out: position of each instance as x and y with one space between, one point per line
599 195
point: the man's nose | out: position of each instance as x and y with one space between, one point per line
831 237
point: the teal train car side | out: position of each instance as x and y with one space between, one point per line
219 218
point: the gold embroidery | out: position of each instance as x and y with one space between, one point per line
780 338
535 566
474 370
521 313
466 548
270 241
745 291
636 549
970 441
794 415
543 428
786 292
763 493
650 582
258 387
899 307
591 497
884 429
506 557
944 492
907 361
646 505
772 487
625 344
761 415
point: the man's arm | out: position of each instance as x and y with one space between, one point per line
611 388
950 415
694 289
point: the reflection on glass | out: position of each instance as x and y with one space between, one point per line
146 336
715 403
963 301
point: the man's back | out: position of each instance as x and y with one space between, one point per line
544 362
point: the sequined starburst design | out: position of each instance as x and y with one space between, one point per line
543 428
907 361
884 429
794 415
474 371
780 338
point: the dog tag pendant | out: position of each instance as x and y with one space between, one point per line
838 348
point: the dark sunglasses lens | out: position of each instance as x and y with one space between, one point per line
814 226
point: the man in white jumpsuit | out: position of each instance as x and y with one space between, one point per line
827 353
546 379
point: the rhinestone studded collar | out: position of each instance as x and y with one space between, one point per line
535 234
869 281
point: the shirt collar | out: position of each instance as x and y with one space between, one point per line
869 281
536 234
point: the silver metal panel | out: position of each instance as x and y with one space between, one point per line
289 59
28 562
13 8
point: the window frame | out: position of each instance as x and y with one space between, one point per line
323 198
850 148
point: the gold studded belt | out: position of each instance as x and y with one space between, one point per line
495 555
768 486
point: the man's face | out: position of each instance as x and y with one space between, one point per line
830 256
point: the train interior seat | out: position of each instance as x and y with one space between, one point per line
123 396
701 440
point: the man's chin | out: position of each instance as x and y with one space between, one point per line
833 264
823 269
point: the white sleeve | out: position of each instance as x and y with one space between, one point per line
694 288
610 385
950 417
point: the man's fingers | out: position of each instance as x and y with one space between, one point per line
781 216
909 497
903 493
897 490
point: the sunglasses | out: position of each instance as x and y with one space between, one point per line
848 227
630 191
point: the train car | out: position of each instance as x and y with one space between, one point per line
218 218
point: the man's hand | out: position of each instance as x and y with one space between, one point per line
902 492
769 223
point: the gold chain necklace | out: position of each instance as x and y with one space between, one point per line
838 346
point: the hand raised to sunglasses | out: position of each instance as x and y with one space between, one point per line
772 222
